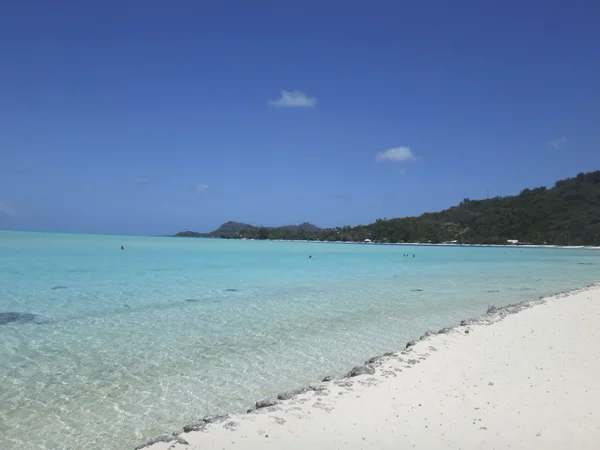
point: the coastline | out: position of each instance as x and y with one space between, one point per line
417 244
469 385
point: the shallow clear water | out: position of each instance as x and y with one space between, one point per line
123 345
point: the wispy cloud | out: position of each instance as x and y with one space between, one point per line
402 171
557 143
7 210
201 187
396 154
293 99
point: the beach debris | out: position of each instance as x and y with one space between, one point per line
215 418
231 425
266 403
198 426
163 438
279 420
327 378
8 317
464 323
467 331
287 395
323 406
202 423
445 330
374 360
317 388
360 370
491 308
387 354
410 344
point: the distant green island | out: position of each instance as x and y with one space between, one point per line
566 214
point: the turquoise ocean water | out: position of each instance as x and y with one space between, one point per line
113 347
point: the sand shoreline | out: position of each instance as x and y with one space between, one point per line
326 415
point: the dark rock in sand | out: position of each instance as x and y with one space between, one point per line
373 360
410 344
215 418
360 370
464 323
286 395
491 309
266 403
291 394
317 388
8 317
388 354
199 426
327 379
466 331
445 330
163 438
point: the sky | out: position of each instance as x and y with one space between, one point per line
152 117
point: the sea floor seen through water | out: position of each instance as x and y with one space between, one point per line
103 348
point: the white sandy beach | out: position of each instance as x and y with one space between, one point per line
529 380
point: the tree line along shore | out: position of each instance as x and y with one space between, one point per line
568 214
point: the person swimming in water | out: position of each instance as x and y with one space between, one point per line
310 257
122 248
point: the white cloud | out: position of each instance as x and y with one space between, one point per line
557 143
295 99
7 210
201 187
396 154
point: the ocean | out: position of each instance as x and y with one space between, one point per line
103 348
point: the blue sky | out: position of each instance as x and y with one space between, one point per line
150 117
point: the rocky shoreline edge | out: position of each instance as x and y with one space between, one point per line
493 314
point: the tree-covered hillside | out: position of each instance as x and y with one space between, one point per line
239 229
567 214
